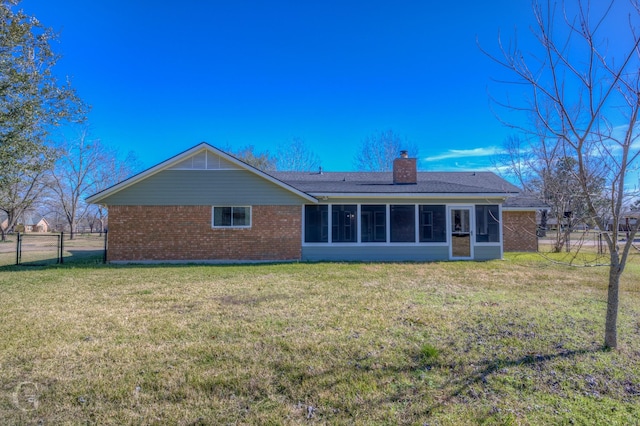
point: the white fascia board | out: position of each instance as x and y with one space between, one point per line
500 196
96 198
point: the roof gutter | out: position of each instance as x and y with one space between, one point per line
325 195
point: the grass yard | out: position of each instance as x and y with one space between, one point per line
517 341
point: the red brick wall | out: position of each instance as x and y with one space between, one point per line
185 233
404 170
519 231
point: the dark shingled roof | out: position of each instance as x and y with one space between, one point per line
524 202
382 183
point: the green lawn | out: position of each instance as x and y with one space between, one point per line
517 341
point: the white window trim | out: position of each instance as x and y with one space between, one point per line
388 243
494 243
472 229
231 226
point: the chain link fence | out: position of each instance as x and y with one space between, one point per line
589 241
39 249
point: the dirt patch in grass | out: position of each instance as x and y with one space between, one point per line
515 341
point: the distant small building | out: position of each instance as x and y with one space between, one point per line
29 222
628 220
40 226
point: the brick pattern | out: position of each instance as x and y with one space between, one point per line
405 171
519 231
185 233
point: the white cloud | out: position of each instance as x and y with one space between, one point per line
618 133
466 153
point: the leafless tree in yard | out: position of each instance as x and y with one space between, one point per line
264 160
23 190
584 95
377 151
296 157
72 179
541 169
111 170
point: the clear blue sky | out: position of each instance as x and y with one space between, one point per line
162 76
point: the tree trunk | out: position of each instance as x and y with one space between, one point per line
611 324
543 223
72 228
11 224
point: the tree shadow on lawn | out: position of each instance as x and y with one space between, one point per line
464 384
356 371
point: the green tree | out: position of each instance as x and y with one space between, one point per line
32 102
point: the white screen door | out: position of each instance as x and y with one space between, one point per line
461 232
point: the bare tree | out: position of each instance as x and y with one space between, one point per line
542 170
112 169
378 151
72 177
264 161
23 188
588 102
296 157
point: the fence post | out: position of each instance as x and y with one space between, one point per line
600 250
61 258
18 250
104 257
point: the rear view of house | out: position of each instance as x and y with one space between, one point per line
206 205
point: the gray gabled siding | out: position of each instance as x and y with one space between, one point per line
203 187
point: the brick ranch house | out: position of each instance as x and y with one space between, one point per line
206 205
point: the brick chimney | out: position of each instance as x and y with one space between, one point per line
404 170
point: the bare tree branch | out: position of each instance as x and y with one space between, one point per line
378 150
588 104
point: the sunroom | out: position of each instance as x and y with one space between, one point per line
374 231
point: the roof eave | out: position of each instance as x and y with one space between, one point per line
98 197
446 195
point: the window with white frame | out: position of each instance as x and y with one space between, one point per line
377 223
373 223
433 223
344 223
231 217
316 220
487 224
403 223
